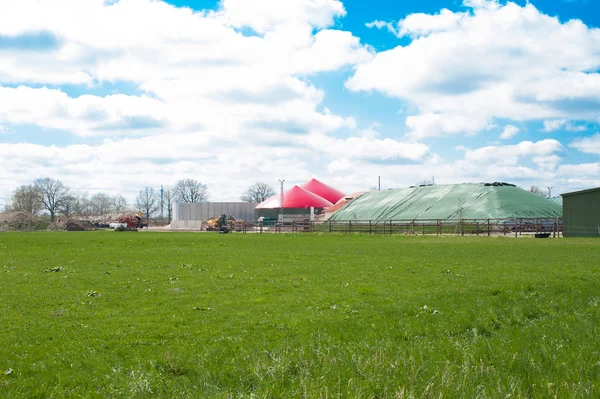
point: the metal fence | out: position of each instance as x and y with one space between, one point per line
462 227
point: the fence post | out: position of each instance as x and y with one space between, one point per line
489 228
349 226
369 227
477 231
462 227
413 227
384 227
260 224
516 229
521 227
330 226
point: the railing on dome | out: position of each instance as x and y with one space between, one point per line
462 227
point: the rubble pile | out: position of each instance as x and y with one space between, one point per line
19 220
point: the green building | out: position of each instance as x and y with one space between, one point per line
581 213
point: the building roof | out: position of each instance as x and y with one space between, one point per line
323 190
343 201
590 190
466 201
295 197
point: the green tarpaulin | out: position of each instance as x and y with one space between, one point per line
459 201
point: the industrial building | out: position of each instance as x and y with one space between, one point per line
449 202
581 213
323 190
299 200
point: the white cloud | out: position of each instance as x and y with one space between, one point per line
86 115
265 15
585 169
197 71
377 24
509 132
511 154
472 68
589 145
451 123
416 25
547 162
390 26
554 125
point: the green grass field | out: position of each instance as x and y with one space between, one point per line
139 315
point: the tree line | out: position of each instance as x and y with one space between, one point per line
52 195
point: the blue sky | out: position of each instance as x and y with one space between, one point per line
128 94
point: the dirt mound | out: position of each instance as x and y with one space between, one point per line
22 221
112 217
74 225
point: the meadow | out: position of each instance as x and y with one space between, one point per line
178 315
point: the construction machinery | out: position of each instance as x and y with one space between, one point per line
225 222
133 221
222 223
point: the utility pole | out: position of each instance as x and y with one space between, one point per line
281 199
378 183
550 192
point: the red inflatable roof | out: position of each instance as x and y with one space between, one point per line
323 190
295 197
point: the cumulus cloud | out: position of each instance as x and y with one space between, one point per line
511 154
584 169
588 145
417 25
466 69
554 125
198 71
265 15
509 132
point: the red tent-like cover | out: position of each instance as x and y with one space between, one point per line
323 190
295 197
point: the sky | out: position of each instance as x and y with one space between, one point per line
115 95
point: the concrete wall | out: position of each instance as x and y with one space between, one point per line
191 216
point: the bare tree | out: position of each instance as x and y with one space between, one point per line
542 192
258 192
148 202
190 191
82 204
67 206
101 203
119 203
53 194
168 201
27 199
